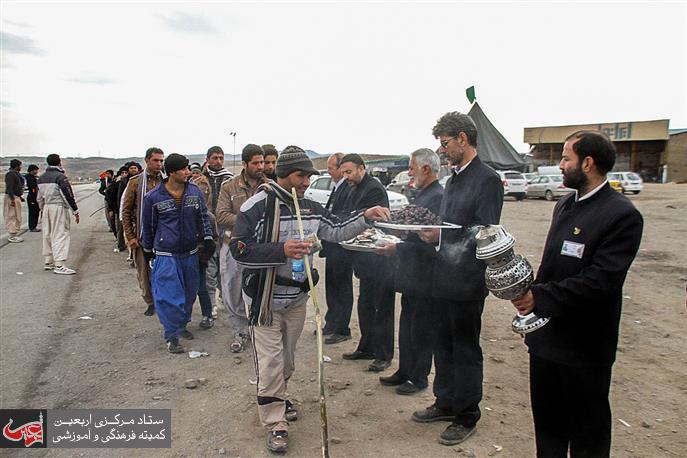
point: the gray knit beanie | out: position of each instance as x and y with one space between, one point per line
293 158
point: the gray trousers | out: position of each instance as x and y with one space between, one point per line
213 276
232 297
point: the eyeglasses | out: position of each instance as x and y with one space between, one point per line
444 143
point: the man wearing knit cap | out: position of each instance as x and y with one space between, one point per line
266 242
175 221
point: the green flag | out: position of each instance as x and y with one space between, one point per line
470 93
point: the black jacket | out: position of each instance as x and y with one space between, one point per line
583 295
472 198
32 185
14 183
337 205
414 271
367 194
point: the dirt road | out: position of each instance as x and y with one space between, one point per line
52 359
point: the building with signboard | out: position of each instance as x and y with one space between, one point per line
641 146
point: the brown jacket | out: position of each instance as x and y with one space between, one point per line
232 195
204 185
129 209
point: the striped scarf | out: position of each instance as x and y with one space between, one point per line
261 307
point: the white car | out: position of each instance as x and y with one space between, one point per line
321 187
549 187
514 184
629 181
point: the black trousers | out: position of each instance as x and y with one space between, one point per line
376 303
34 210
458 359
338 282
415 339
570 409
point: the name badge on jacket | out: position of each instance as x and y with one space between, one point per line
572 249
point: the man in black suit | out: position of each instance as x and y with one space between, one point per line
593 239
377 296
338 267
473 198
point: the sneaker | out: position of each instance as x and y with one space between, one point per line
431 414
215 312
150 311
186 334
15 239
277 441
48 266
291 411
455 434
238 345
64 270
173 346
206 323
115 250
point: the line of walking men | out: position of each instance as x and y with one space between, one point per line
51 201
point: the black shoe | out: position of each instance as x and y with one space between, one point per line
408 388
378 365
186 334
291 411
455 434
392 380
358 355
173 346
336 338
34 230
150 311
432 413
277 441
206 323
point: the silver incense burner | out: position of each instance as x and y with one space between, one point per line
508 275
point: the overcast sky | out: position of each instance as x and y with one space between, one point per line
117 78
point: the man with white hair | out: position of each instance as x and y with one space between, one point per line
413 279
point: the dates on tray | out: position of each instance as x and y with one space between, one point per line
412 214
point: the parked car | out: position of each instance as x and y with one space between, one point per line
549 187
514 184
629 181
321 187
530 176
403 184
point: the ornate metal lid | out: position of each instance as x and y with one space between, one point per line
493 240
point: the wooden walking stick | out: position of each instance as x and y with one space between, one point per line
318 320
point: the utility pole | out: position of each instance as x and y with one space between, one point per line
233 134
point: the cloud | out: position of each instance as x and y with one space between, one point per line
23 25
97 80
5 104
18 44
189 23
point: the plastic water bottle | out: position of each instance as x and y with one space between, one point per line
298 270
